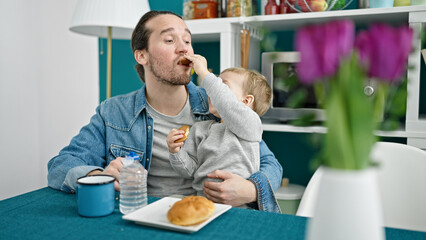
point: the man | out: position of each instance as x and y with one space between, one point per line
140 121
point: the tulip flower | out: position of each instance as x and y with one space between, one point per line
384 51
322 47
339 64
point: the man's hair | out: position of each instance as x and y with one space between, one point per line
141 34
255 84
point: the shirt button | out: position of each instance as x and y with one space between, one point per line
147 159
149 127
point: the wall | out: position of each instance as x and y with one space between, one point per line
48 88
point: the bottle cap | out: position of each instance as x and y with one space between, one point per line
130 158
132 155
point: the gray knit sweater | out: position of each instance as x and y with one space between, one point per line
232 145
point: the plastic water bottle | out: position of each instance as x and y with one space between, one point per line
133 177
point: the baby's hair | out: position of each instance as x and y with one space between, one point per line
255 84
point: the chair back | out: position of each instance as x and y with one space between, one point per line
307 203
402 184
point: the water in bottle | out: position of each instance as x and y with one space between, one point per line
133 177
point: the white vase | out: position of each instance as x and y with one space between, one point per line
348 206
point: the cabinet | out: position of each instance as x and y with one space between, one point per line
226 31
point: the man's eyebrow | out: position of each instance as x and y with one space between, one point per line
167 30
172 29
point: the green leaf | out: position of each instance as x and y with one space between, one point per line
350 122
397 100
390 124
269 42
291 82
305 120
319 90
297 99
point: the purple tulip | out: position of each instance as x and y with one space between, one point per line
309 67
322 47
384 50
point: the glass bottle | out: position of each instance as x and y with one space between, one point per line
254 8
283 7
271 8
188 10
237 8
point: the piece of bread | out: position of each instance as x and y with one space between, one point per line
185 135
185 61
191 210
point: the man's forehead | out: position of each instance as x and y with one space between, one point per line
167 23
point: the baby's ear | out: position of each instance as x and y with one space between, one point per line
248 100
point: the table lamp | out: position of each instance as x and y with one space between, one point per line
108 19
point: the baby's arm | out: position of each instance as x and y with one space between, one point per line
183 164
180 160
199 63
239 118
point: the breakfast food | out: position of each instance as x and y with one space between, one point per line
185 61
191 210
185 135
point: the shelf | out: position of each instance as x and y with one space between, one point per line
361 17
276 127
417 125
210 29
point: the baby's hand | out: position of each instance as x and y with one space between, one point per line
175 134
199 63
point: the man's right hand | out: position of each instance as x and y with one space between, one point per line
234 190
112 169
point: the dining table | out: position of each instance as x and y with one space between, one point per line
50 214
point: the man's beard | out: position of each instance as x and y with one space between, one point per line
167 76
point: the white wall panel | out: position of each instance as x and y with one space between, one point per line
48 88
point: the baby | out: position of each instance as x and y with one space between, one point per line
238 97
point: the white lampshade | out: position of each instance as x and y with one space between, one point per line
93 17
108 19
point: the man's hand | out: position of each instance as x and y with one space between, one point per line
112 169
234 190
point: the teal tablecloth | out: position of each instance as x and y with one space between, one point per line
50 214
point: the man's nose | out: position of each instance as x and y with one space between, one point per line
183 47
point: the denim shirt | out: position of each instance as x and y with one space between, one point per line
121 124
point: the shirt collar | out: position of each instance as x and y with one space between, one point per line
197 98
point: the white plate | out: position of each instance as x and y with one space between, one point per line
155 215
